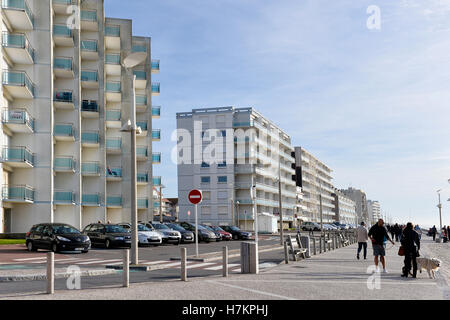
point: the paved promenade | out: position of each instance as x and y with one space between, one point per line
332 275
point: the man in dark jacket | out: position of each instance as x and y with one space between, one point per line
378 234
433 232
411 244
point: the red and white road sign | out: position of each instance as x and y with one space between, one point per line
195 196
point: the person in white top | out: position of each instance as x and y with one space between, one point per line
362 237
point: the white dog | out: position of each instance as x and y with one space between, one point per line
431 265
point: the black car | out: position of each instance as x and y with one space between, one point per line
57 237
237 233
186 235
108 235
217 233
203 233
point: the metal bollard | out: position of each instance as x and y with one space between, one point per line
50 273
320 245
183 264
286 253
225 262
314 245
126 268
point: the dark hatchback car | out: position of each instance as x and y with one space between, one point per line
203 233
108 235
56 237
186 235
237 233
217 233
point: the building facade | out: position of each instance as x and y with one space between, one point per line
360 199
65 98
315 180
374 210
345 208
250 154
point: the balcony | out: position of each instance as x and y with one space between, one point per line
141 103
142 203
113 118
18 14
155 66
90 139
156 89
143 126
61 6
63 197
90 169
156 158
89 20
18 194
18 157
64 164
89 79
141 153
156 135
89 109
18 84
63 68
113 66
64 132
18 121
142 179
156 112
112 37
113 174
63 36
113 91
156 181
141 79
114 202
114 145
138 48
89 50
63 99
18 48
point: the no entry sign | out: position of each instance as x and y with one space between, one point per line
195 196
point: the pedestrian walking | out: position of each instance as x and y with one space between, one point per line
433 232
411 245
378 234
418 230
392 231
362 237
397 232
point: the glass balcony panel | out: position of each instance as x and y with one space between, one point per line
141 100
19 5
63 63
142 124
64 196
156 157
112 59
90 137
139 48
113 86
114 143
17 41
89 76
155 65
114 172
63 96
90 168
89 105
156 181
20 193
141 151
112 31
89 15
156 88
156 111
156 134
63 130
62 31
114 201
17 154
64 163
17 79
142 177
140 75
89 45
18 117
142 203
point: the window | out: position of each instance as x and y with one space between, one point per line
205 179
222 133
222 179
205 165
206 195
223 210
222 195
222 165
206 210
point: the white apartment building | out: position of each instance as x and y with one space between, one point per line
345 208
360 199
250 151
315 180
374 210
65 96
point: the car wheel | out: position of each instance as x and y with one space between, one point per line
55 247
85 251
235 237
107 244
30 246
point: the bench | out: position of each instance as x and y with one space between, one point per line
345 242
296 253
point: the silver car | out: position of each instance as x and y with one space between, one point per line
146 235
168 235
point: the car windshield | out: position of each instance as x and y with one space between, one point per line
115 229
200 227
141 227
160 226
65 229
235 228
176 227
217 228
208 228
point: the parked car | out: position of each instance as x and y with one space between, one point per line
145 234
168 235
310 226
225 235
328 227
237 233
203 233
186 235
108 235
217 233
56 237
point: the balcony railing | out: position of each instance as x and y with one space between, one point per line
17 78
139 48
89 76
89 105
155 65
113 87
89 15
18 154
90 168
63 96
141 100
140 75
142 124
113 172
142 203
62 196
66 2
19 5
114 144
113 115
156 134
114 201
112 59
18 117
141 151
112 31
142 177
156 111
89 45
156 157
17 40
90 137
156 88
18 193
63 130
90 199
63 63
62 31
156 181
64 164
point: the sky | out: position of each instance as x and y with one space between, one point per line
373 104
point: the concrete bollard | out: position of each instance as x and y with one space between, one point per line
306 244
50 273
183 264
126 268
324 244
249 258
286 253
314 245
225 262
320 245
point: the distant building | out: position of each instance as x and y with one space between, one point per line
174 208
360 199
345 208
374 210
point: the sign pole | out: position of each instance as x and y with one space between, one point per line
196 232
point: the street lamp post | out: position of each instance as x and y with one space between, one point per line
130 62
440 209
321 209
280 206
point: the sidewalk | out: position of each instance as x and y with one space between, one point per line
332 275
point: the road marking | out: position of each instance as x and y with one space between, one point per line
215 268
30 259
171 264
56 260
99 261
199 265
155 262
340 282
250 290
